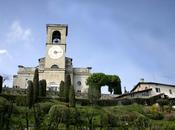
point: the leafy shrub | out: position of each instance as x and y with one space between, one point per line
169 117
162 102
168 126
154 113
142 122
136 107
74 117
154 108
58 113
21 101
128 117
107 102
45 106
126 102
112 120
3 104
156 116
83 102
168 108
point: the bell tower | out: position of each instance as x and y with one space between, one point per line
56 45
55 54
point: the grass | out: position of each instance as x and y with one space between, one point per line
118 115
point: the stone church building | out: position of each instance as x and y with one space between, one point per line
55 65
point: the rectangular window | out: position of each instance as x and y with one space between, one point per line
170 91
158 90
145 94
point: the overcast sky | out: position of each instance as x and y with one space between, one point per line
130 38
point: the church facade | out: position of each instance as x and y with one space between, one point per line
55 65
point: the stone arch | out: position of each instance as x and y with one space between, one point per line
54 67
56 37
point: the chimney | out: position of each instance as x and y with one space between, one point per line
142 80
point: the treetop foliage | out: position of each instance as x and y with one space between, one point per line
97 79
101 79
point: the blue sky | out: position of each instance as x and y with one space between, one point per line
130 38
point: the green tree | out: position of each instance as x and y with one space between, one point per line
36 85
67 87
71 96
42 88
114 84
1 81
61 92
95 81
58 114
30 94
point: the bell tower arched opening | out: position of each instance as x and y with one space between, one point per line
56 37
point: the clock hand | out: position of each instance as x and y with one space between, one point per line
55 52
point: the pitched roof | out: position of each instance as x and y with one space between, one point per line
151 83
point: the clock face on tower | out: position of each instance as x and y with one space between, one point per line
55 52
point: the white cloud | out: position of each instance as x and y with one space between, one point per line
18 33
3 51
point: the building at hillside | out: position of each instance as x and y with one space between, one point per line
55 65
150 89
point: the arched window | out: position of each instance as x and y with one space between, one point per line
56 37
54 67
79 83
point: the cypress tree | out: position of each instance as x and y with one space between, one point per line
30 94
71 96
35 85
61 92
42 88
1 81
67 87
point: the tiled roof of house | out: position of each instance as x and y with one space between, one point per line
151 83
